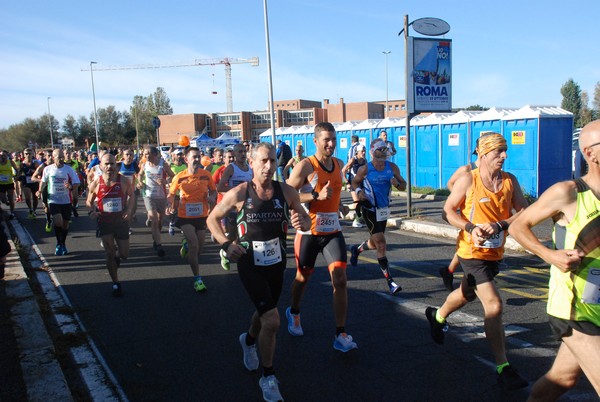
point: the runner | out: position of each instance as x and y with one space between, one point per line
319 179
114 196
447 273
177 165
62 182
574 289
349 171
484 200
294 161
30 187
191 195
129 169
71 160
261 254
235 174
372 185
152 179
37 177
8 169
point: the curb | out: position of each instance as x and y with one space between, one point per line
42 374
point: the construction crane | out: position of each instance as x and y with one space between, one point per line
226 61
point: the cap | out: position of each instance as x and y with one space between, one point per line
360 147
178 151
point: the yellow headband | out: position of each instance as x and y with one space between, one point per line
490 142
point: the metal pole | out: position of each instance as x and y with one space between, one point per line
271 105
137 133
386 52
94 97
50 123
408 117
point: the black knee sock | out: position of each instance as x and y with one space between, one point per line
64 236
58 234
340 330
267 371
250 340
383 264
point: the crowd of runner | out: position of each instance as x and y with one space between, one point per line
249 195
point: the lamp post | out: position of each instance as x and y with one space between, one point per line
268 46
94 97
50 124
386 52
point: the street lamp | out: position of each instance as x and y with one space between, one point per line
50 123
268 46
386 81
94 97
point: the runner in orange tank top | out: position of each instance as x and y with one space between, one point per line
319 179
485 200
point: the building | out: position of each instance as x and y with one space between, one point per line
297 112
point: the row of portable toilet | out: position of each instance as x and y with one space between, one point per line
539 143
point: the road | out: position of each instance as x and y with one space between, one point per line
162 341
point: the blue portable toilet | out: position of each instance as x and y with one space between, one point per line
455 136
286 136
427 148
266 136
486 122
299 137
539 146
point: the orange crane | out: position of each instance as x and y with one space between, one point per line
226 61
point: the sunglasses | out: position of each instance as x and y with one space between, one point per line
27 153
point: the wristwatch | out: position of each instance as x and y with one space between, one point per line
315 195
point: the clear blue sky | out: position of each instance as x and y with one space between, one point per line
505 54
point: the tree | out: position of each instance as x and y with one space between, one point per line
159 102
571 93
596 101
586 114
477 107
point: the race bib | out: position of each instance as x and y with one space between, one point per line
194 209
59 187
266 253
591 290
382 214
112 205
494 241
154 192
28 179
327 222
4 177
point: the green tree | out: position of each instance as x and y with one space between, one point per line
477 107
571 101
159 102
586 114
596 101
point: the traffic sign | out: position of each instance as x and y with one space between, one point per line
156 122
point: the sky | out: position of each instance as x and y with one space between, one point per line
505 54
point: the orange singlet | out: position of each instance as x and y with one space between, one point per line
324 214
482 206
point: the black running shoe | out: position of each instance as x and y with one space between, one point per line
116 290
448 278
160 251
437 330
354 255
510 379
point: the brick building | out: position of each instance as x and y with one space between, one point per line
296 112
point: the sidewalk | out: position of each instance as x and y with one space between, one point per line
42 378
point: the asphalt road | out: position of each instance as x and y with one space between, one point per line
162 341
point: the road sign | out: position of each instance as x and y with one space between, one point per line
156 122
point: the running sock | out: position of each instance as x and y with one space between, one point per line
267 371
294 311
363 246
501 367
58 234
339 330
64 236
439 318
250 340
383 264
48 218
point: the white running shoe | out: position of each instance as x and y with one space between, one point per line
251 361
344 343
270 389
294 325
